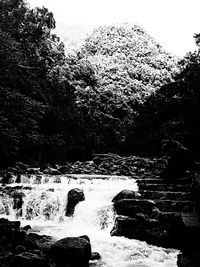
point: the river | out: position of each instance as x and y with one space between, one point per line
44 205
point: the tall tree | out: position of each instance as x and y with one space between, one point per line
173 112
32 81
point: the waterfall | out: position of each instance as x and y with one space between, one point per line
43 207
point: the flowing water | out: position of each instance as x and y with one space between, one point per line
44 202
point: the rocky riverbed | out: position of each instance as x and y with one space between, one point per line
165 212
108 164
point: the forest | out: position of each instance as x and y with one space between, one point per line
121 92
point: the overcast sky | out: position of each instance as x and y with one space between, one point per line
171 22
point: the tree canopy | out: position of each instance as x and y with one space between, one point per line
173 112
33 88
116 69
120 92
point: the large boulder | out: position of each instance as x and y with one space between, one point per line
17 202
73 198
131 227
71 251
145 229
130 207
124 226
126 194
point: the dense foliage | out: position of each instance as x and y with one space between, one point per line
36 100
120 92
173 112
117 68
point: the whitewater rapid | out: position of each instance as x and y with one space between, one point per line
44 203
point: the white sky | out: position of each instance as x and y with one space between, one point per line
170 22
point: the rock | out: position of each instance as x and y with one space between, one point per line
19 238
73 198
40 241
113 164
18 199
22 166
109 164
95 256
18 179
72 251
145 229
160 237
130 207
17 202
172 219
64 169
38 179
12 236
51 171
85 237
125 208
142 219
124 226
57 180
26 227
29 259
27 248
97 160
126 194
43 166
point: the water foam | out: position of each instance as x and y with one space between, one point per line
44 209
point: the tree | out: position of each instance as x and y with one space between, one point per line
33 84
116 69
173 112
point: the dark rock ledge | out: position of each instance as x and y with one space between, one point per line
165 212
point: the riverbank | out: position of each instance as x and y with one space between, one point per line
108 164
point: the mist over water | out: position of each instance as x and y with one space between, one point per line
44 209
